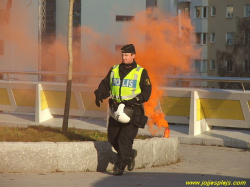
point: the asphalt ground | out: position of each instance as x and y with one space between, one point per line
207 165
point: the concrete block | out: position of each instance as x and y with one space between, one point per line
144 153
190 140
156 151
159 151
241 144
172 151
28 157
213 142
82 156
85 156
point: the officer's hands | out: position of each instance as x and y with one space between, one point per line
98 98
130 102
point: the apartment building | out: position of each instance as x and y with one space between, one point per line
215 27
222 22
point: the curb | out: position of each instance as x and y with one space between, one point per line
232 142
47 157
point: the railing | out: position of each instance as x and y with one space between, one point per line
213 79
75 74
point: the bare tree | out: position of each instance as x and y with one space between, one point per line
69 80
240 51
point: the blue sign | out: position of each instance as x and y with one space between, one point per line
125 83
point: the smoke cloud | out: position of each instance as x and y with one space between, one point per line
162 46
168 49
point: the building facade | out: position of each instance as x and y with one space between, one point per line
36 37
36 31
216 27
222 31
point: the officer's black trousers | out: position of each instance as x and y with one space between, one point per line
121 136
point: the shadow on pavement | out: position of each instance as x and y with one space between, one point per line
104 151
138 179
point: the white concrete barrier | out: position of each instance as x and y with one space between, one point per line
204 108
200 108
82 156
47 99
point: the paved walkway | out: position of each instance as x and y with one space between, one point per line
203 164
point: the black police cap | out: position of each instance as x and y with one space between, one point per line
129 48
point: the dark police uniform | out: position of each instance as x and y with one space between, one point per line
122 135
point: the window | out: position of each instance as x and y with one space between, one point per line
246 65
229 38
247 38
125 18
213 11
151 3
1 47
50 20
155 1
175 2
200 66
77 2
204 12
212 64
201 38
201 12
212 37
230 10
197 66
229 65
247 10
76 18
204 37
198 12
204 66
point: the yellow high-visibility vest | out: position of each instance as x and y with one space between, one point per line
127 88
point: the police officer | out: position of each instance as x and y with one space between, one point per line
127 83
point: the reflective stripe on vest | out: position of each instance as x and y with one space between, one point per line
130 85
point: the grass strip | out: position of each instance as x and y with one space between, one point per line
51 134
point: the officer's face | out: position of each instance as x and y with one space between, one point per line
128 58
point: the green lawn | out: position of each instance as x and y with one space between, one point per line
51 134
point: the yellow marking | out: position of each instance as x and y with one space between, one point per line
175 106
4 98
25 97
219 109
56 99
89 102
199 112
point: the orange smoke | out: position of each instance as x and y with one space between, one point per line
163 51
159 46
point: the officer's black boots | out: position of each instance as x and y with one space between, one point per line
131 164
118 171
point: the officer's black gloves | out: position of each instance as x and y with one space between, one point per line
130 102
98 98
